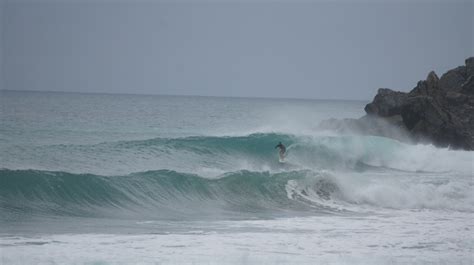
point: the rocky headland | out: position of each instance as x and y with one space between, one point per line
437 110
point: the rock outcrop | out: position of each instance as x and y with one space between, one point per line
437 110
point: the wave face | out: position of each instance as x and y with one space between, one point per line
161 194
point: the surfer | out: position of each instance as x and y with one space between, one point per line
282 150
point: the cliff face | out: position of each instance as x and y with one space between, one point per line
440 110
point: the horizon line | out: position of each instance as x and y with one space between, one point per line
176 95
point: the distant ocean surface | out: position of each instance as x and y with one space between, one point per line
135 179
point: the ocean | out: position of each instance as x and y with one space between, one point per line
138 179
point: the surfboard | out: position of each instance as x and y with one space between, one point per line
281 158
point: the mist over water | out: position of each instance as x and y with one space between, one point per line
198 170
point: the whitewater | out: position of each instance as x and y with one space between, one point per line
135 179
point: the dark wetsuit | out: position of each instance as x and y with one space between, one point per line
282 150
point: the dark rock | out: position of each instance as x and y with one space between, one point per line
425 118
456 98
426 87
470 66
386 103
468 86
440 110
437 110
432 80
453 79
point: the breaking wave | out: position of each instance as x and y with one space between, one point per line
166 194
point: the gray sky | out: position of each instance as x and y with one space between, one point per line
318 49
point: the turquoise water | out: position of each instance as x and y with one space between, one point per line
198 179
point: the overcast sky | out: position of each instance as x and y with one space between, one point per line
317 49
